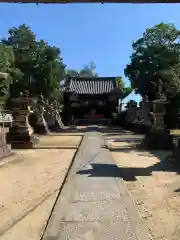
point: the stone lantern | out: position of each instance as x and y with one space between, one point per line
158 137
20 134
41 126
158 108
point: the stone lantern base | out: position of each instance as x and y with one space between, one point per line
158 139
41 128
141 129
20 140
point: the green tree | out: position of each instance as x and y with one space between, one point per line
48 70
72 73
120 83
123 90
8 71
88 70
155 52
40 63
172 92
23 42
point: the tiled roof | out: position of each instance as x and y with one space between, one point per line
94 85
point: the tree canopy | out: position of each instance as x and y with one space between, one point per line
88 70
33 65
123 90
156 54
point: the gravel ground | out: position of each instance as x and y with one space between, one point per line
29 183
154 184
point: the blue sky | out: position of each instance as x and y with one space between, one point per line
102 33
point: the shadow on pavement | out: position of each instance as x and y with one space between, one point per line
127 174
177 190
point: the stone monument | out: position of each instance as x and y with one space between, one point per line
131 114
41 126
20 134
141 122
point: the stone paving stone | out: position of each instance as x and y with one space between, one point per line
96 190
92 231
95 211
94 204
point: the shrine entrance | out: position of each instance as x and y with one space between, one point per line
93 114
90 98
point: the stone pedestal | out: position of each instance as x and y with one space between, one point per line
41 127
158 139
20 134
158 136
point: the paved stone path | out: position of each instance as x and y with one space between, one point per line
94 203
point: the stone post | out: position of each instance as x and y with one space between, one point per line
144 119
41 126
145 109
20 134
131 114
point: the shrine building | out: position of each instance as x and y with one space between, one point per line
90 97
